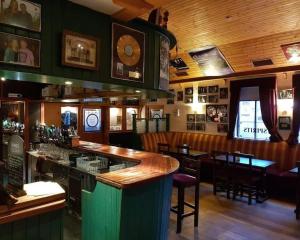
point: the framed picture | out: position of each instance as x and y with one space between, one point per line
200 127
171 100
202 90
19 50
200 117
190 117
222 128
164 63
285 94
188 99
21 13
223 93
188 91
128 53
284 123
69 117
213 98
202 98
216 113
213 89
179 96
80 51
190 126
156 113
92 120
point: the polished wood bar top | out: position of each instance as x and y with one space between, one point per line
150 166
28 206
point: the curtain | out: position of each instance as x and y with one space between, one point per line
268 102
293 138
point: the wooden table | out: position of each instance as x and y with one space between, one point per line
192 153
260 164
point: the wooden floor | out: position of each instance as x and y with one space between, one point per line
224 219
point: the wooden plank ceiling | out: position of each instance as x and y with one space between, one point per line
243 30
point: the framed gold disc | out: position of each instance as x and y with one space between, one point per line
128 50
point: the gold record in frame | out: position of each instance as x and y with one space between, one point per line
129 50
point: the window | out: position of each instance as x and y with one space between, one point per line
249 121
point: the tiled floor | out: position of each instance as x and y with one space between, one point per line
222 219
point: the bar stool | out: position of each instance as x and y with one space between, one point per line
188 176
297 211
163 148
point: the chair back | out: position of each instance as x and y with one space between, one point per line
190 166
220 166
245 169
183 149
163 148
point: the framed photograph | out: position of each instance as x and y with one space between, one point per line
179 96
19 50
156 113
216 113
202 90
200 117
188 91
213 89
188 99
164 63
69 117
285 94
223 93
190 117
190 126
128 53
200 127
92 120
284 123
222 128
213 98
80 51
171 100
21 13
202 98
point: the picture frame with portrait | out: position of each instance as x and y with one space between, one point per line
223 93
213 89
202 98
217 113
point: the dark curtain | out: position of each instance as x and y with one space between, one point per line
293 138
268 102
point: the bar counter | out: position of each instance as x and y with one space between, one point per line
150 167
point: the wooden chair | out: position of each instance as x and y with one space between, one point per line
183 149
189 176
221 173
163 148
245 179
298 192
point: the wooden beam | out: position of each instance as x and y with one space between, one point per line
240 74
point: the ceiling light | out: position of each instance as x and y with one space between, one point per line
3 79
137 91
68 83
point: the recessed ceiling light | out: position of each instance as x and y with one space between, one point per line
3 79
137 91
68 83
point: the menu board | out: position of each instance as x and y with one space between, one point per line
92 120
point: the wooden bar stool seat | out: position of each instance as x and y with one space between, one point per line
189 176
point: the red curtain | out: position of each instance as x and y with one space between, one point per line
268 102
293 138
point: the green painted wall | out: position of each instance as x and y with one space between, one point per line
120 214
47 226
58 15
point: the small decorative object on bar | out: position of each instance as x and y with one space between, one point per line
19 50
171 100
284 123
213 98
179 96
188 92
223 93
128 46
213 89
202 90
211 61
202 98
222 128
164 63
92 120
69 117
80 51
292 52
285 94
216 113
20 13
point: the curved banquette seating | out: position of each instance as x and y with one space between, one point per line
284 155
